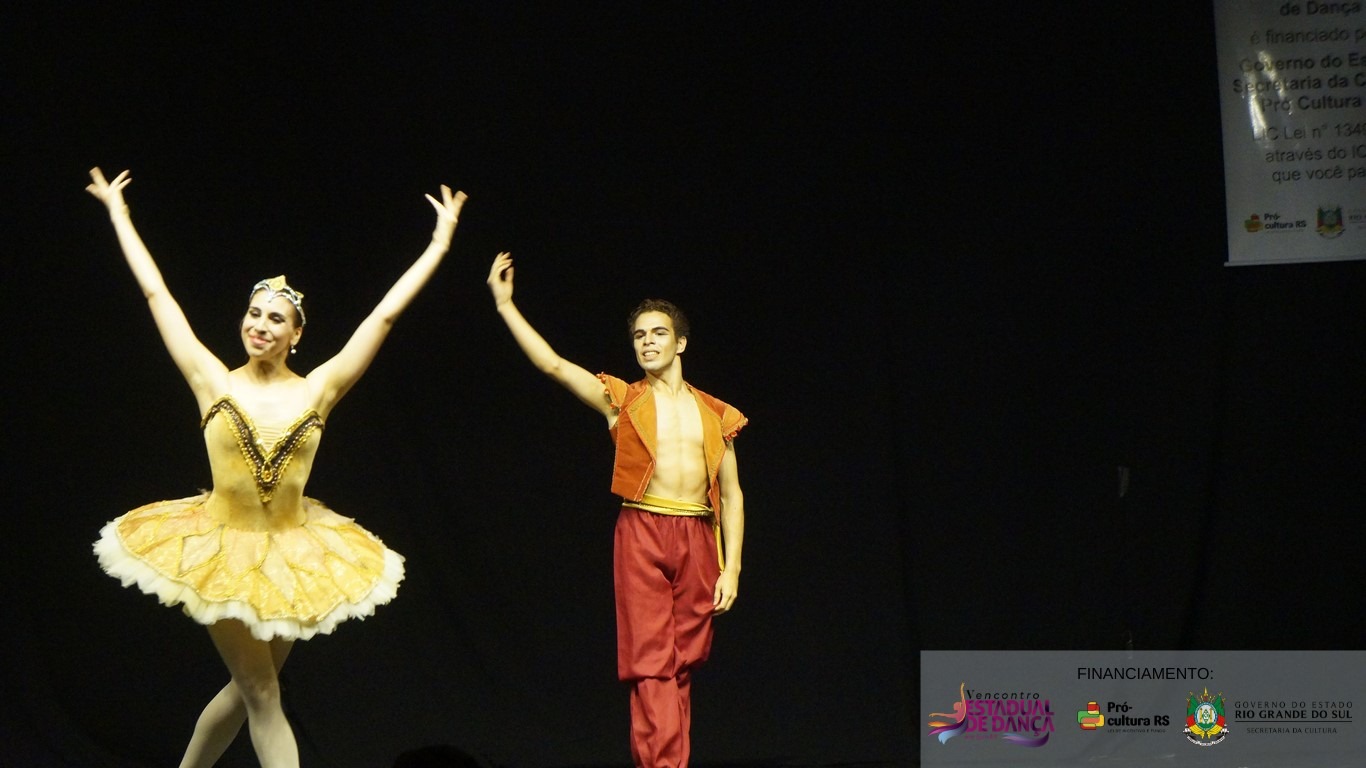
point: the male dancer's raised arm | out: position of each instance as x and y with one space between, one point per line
585 386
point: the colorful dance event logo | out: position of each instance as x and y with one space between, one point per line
1023 719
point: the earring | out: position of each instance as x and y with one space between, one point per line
293 349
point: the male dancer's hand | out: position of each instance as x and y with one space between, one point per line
727 588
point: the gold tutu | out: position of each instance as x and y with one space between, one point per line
291 583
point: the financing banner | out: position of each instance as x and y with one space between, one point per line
1292 92
1168 708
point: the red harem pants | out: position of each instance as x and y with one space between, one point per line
665 571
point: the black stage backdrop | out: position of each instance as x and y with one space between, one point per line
959 264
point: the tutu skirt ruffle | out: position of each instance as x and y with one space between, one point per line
292 583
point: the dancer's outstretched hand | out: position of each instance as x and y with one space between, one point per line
500 279
109 192
447 213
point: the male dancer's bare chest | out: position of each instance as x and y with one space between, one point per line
680 459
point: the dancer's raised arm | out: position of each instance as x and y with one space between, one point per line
197 364
584 385
331 380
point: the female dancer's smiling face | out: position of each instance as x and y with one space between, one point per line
269 327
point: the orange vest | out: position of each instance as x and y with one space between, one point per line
635 437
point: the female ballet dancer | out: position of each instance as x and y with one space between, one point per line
254 559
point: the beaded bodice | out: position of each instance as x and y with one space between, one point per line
267 451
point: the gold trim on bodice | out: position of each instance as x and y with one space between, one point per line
267 464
